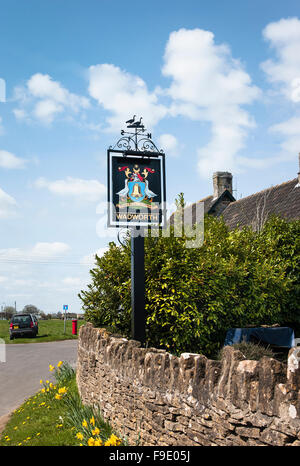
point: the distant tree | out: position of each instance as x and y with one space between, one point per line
31 309
9 311
59 315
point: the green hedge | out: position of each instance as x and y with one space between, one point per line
193 296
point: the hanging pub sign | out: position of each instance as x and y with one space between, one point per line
136 181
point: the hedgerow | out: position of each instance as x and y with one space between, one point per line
193 295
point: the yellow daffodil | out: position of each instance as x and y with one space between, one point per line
92 421
91 442
96 431
98 442
58 397
62 390
79 436
19 444
84 423
41 381
16 427
51 368
38 434
59 364
113 441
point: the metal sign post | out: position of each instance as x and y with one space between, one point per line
65 308
136 200
138 316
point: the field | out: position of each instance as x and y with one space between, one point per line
49 330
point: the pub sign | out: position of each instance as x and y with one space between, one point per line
136 189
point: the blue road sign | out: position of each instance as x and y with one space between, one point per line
65 307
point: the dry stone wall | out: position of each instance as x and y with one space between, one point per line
155 398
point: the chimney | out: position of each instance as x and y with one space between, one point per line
222 181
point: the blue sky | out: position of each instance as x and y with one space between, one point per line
217 83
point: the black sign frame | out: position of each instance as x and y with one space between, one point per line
138 157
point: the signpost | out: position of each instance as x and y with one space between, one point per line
65 308
136 200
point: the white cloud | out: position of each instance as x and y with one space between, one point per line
208 84
41 250
7 204
86 190
48 98
45 110
10 161
19 113
2 90
120 92
284 38
169 144
284 73
290 127
72 281
290 130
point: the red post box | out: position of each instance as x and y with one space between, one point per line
74 327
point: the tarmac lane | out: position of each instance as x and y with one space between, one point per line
26 365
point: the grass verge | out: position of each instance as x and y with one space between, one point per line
55 416
49 330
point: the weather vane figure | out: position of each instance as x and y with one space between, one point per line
136 140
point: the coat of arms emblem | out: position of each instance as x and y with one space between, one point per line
136 191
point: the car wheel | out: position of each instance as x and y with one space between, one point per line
11 337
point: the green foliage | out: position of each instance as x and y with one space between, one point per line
193 295
107 301
64 373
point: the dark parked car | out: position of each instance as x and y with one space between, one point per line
23 324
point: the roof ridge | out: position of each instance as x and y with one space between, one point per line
263 190
203 199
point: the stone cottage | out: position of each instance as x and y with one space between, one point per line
282 199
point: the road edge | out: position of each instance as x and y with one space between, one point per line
3 421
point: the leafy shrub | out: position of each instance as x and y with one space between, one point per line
194 295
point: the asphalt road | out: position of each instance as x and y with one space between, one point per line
26 365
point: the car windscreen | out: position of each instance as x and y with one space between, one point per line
21 320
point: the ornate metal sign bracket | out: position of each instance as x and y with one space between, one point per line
137 142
